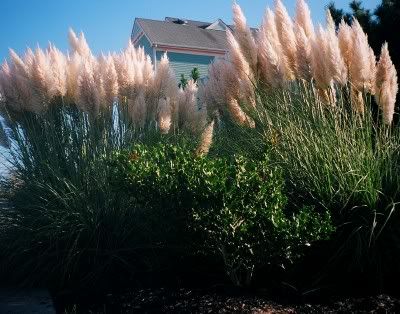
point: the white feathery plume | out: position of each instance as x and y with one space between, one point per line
10 94
74 63
88 98
164 115
41 81
303 54
345 41
361 73
320 68
73 40
244 37
130 50
330 23
138 110
28 58
386 85
229 84
20 78
164 84
121 66
238 114
206 140
148 72
334 57
58 68
269 26
84 49
237 58
18 64
303 18
217 86
98 65
245 75
78 44
109 78
284 26
129 71
190 117
32 82
274 68
187 103
138 64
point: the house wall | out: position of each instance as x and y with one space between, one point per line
183 63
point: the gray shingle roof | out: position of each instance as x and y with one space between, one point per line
189 35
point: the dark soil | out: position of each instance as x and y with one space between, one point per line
211 301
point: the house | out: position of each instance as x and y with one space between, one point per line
189 44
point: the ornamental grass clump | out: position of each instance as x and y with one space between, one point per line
324 105
293 51
318 86
30 83
64 117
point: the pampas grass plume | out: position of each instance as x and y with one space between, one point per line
386 85
284 26
273 63
244 37
320 68
303 54
345 41
88 97
334 58
138 111
361 73
206 140
237 58
58 68
78 44
110 79
164 115
303 18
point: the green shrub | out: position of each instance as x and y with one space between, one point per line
235 207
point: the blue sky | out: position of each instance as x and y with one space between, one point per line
107 24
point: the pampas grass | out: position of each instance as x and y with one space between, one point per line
386 85
274 67
290 50
206 140
345 41
284 26
303 18
244 36
303 54
361 69
94 84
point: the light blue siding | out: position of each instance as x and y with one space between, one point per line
183 63
143 42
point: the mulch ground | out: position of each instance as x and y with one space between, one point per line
200 301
